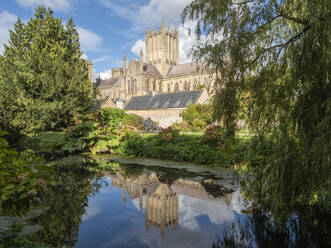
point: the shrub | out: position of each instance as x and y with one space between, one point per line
22 179
89 136
213 136
182 127
198 115
168 134
111 116
132 144
128 129
133 120
198 124
80 130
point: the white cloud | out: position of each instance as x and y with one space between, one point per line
89 40
187 40
103 58
156 10
92 210
84 56
6 22
135 49
60 5
151 14
217 212
105 75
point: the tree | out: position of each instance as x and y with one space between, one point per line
43 80
273 58
197 115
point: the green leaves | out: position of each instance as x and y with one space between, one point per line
272 60
43 82
21 178
198 116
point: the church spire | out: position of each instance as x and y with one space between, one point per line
124 64
141 59
163 26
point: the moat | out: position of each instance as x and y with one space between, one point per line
154 203
158 209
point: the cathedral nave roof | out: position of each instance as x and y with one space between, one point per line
109 82
164 101
149 68
185 68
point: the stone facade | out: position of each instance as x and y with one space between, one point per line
161 73
163 117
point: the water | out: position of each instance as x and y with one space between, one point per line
142 211
153 203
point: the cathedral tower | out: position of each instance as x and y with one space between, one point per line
162 48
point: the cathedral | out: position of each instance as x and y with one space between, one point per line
161 73
160 79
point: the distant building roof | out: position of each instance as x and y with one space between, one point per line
185 68
109 82
163 101
149 68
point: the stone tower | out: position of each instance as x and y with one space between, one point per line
162 48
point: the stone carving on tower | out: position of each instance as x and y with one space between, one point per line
162 48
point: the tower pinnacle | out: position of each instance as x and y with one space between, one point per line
163 26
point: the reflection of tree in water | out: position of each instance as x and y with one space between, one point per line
277 219
217 190
170 175
260 230
131 171
65 201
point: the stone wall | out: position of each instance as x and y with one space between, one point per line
164 117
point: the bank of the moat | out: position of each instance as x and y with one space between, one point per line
116 202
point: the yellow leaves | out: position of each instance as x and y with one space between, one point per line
241 168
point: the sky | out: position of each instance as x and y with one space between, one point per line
108 29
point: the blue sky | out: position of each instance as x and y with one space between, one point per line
107 28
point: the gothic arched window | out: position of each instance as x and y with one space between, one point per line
160 86
147 84
169 89
195 85
176 87
132 86
186 87
154 85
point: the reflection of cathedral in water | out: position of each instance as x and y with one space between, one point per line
161 208
161 200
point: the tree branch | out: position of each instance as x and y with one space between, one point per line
294 19
243 2
282 45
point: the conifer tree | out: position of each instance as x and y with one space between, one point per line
43 80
